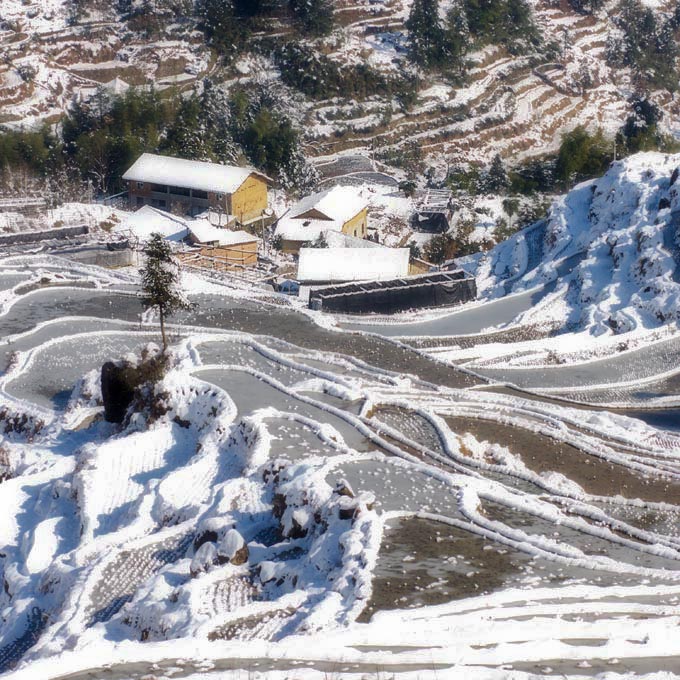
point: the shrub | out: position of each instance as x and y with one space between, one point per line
440 248
582 156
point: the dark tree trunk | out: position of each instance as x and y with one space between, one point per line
162 315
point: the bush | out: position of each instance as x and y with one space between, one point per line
440 248
582 156
38 152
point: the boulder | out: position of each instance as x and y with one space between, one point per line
120 381
232 548
204 558
342 488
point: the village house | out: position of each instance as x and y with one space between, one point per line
339 209
193 187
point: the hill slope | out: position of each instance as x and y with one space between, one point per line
610 247
515 105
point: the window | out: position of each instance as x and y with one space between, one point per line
140 185
197 193
140 201
160 188
180 191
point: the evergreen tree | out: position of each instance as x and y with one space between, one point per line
218 21
496 180
440 248
314 16
215 113
648 45
160 282
187 137
298 176
640 132
426 34
457 37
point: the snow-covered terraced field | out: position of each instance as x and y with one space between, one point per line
299 502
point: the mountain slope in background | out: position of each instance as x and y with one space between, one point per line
515 105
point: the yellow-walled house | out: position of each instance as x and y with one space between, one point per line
179 185
340 209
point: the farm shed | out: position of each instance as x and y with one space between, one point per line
218 248
339 265
434 210
436 289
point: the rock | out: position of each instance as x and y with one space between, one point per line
342 488
296 524
120 380
674 176
207 536
204 558
267 571
347 508
664 203
232 548
279 505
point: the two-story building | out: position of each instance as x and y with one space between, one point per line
192 187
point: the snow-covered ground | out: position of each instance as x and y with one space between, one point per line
295 501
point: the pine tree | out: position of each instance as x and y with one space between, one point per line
160 282
457 36
314 16
426 34
215 114
497 177
298 176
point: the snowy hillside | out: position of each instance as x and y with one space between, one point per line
611 248
517 105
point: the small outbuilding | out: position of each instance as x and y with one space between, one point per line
192 187
340 209
147 220
434 210
221 247
342 265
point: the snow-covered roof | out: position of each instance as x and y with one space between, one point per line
148 220
336 206
200 175
336 239
204 232
352 264
336 203
304 230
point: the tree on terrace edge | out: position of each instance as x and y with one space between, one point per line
160 282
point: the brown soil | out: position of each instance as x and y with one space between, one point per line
429 579
542 454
